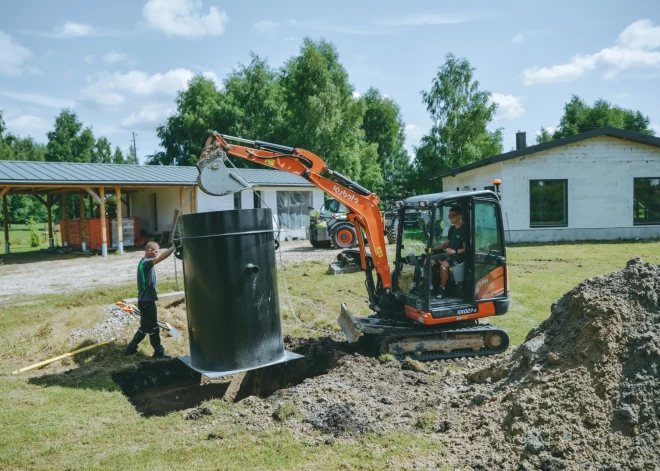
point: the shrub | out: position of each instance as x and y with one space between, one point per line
35 235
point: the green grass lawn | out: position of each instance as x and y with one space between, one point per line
71 415
19 238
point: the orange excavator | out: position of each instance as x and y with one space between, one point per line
407 319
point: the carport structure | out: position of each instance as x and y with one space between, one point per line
52 181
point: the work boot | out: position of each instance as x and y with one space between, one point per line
129 351
161 355
440 293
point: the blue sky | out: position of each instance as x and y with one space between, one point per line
119 64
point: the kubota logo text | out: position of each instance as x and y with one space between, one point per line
345 194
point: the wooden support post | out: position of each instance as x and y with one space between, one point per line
63 229
49 205
91 207
120 226
193 201
5 218
81 200
104 235
181 200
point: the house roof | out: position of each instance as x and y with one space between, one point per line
84 174
606 131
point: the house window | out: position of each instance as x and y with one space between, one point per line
646 201
548 202
293 209
256 199
237 200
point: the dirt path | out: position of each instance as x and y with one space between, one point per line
67 274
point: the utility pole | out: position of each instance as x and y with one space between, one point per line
134 149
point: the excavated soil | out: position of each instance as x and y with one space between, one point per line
582 392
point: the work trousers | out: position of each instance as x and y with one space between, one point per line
148 326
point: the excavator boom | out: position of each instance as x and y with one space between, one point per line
363 204
405 322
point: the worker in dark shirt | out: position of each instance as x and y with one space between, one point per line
147 297
454 247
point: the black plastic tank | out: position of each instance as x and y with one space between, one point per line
232 301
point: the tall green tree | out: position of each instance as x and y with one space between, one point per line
322 115
383 125
579 117
102 152
68 141
26 148
544 135
118 156
461 113
254 101
184 133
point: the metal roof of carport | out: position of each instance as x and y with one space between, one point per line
49 174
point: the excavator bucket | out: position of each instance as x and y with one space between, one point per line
216 179
348 325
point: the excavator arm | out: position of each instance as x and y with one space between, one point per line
216 180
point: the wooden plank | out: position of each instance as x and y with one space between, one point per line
50 221
181 200
43 201
5 190
63 232
234 386
174 294
81 203
120 226
5 217
104 235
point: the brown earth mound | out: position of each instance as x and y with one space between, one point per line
582 392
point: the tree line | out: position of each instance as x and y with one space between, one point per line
310 103
68 141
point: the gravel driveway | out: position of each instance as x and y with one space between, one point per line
78 274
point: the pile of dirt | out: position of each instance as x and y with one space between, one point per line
582 392
584 388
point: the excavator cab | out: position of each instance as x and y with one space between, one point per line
478 284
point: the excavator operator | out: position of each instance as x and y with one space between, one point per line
454 248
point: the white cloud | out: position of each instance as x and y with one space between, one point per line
184 18
24 124
213 76
634 49
147 118
89 59
508 106
640 35
266 26
518 38
112 89
292 22
423 20
113 57
551 130
74 30
38 99
656 128
414 132
357 95
12 55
